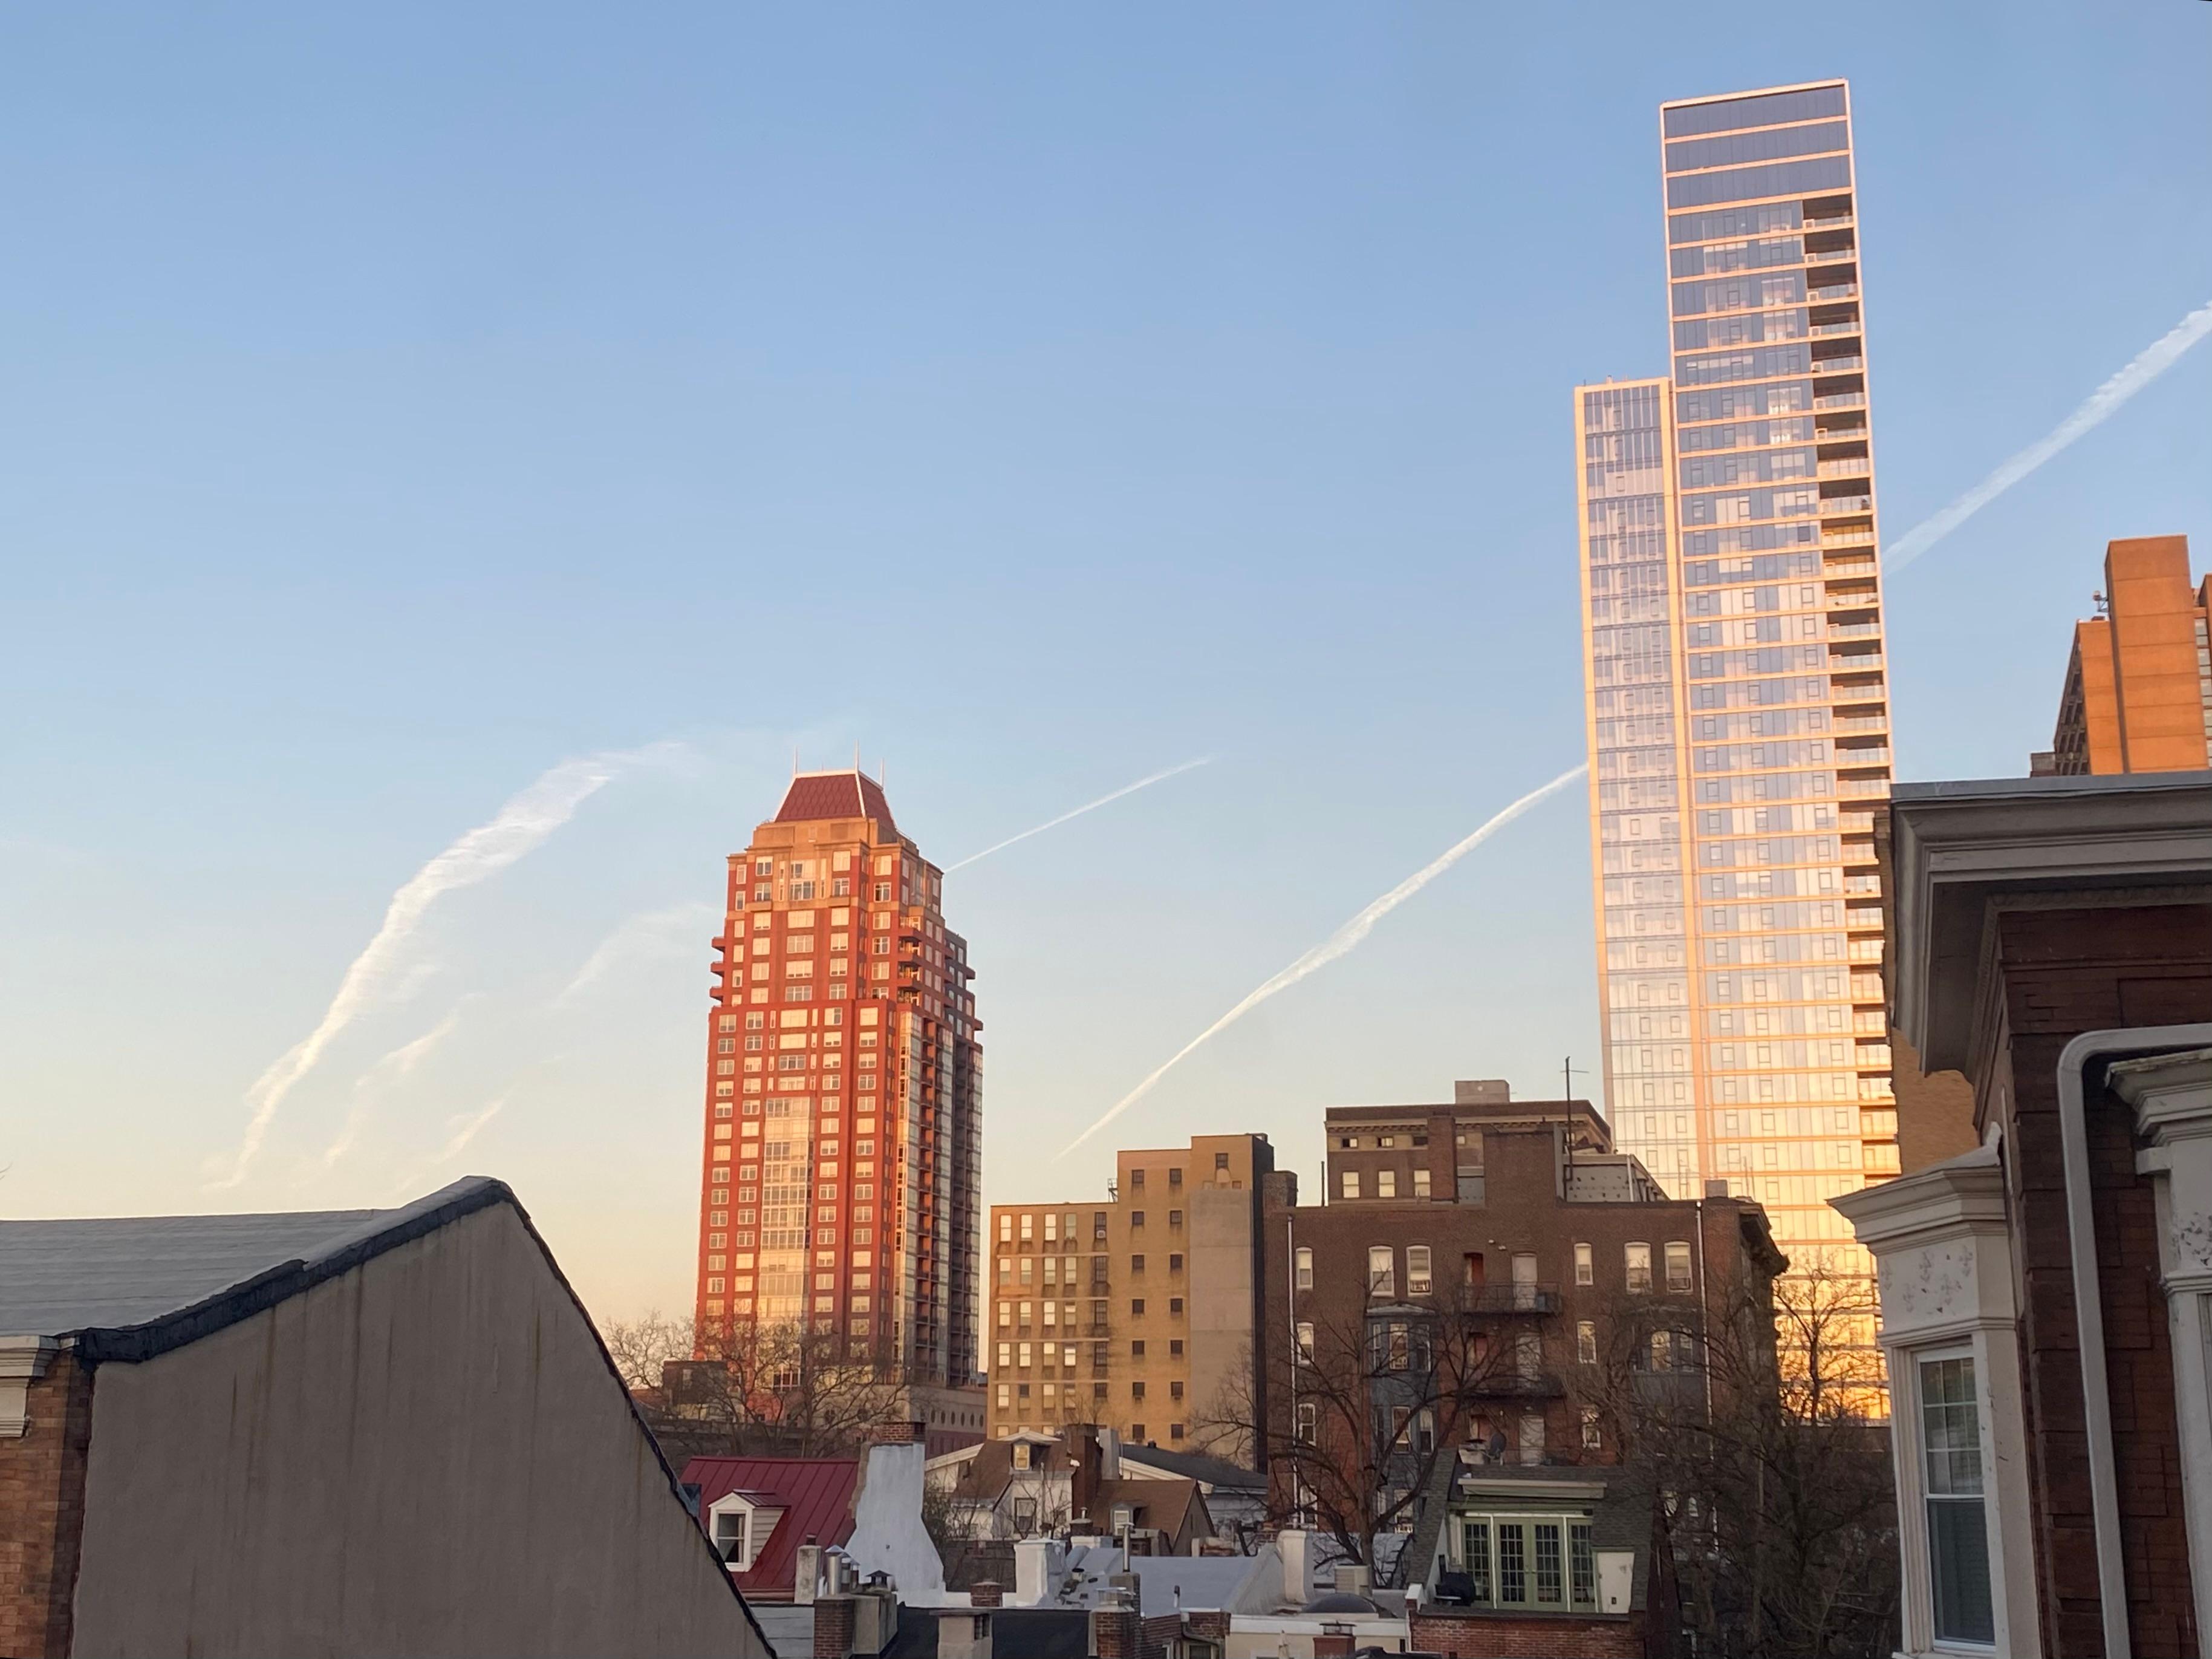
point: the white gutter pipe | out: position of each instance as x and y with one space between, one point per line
2089 1305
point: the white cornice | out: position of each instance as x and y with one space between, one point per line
1958 1195
1960 847
23 1360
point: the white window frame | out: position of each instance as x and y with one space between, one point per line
1911 1446
1943 1255
731 1507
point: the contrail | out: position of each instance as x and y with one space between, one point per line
519 828
1089 807
647 933
2153 361
391 1069
465 1131
1338 943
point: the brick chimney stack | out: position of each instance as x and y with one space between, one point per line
1086 1461
836 1618
1114 1627
985 1594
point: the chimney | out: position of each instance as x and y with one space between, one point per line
806 1573
1298 1585
1040 1566
1334 1641
834 1618
1114 1627
898 1432
985 1594
1085 1462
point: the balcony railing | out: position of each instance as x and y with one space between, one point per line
1854 630
1877 788
1821 330
1846 504
1831 256
1833 291
1841 400
1510 1298
1519 1385
1878 756
1863 918
1863 723
1830 434
1849 364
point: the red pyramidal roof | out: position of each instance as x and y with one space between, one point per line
835 795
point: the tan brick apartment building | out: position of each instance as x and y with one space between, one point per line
1135 1312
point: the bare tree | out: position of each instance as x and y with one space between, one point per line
641 1349
783 1390
1361 1407
1777 1507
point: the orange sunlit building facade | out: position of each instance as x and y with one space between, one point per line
1738 702
843 1156
2138 693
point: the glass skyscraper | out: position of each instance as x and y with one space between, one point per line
1738 706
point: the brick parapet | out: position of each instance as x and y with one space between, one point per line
1502 1635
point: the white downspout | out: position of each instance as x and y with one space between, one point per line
2088 1307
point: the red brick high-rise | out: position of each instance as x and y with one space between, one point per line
843 1140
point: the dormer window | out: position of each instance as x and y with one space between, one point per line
740 1528
730 1540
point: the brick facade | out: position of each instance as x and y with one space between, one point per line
1518 1210
2067 971
42 1511
1489 1636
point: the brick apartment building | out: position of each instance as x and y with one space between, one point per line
1137 1312
2044 1292
1519 1213
841 1155
2138 690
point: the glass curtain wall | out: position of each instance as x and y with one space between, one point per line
1780 640
1738 729
1638 808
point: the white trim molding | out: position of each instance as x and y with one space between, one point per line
2172 1094
1943 1255
23 1360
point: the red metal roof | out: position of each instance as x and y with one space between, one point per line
835 795
815 1496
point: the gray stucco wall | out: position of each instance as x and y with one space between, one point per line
427 1454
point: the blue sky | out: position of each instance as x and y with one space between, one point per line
399 402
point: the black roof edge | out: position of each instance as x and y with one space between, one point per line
134 1344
